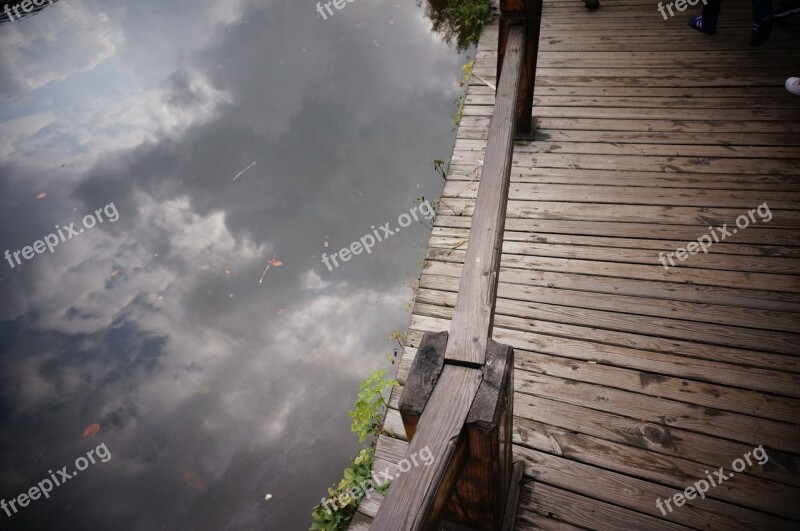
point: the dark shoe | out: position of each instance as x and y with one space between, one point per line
697 23
761 32
591 5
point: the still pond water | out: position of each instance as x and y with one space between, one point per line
198 158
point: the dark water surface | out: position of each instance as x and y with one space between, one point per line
210 137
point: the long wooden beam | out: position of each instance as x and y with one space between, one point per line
473 316
527 13
416 499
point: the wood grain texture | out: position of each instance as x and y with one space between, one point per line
512 499
633 380
422 379
480 496
472 322
416 499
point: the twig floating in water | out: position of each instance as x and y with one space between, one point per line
244 170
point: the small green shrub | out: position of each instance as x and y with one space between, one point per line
458 20
357 472
367 414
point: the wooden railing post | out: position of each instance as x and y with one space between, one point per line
479 499
458 398
479 496
526 13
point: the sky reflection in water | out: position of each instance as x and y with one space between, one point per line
210 388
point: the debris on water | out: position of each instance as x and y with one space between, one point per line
244 170
91 429
271 263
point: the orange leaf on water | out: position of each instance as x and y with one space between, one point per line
91 429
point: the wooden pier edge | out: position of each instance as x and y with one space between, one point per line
633 379
458 399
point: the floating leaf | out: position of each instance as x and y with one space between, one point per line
114 273
268 497
227 270
270 263
41 196
91 429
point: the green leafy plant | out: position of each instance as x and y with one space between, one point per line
367 414
356 474
462 99
458 20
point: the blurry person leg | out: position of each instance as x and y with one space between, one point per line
762 22
707 22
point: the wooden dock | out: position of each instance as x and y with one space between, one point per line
633 381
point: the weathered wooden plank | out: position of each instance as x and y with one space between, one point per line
417 498
786 343
722 278
641 495
472 322
528 15
715 125
652 437
422 379
656 290
749 491
360 522
549 507
771 373
775 239
479 499
701 217
510 513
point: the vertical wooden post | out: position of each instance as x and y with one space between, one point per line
480 496
526 13
422 378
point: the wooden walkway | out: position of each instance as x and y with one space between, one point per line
634 382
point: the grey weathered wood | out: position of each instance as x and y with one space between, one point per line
479 499
422 378
474 311
512 499
416 499
528 14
